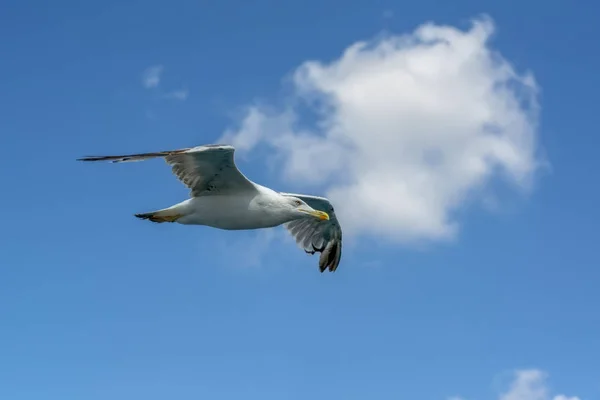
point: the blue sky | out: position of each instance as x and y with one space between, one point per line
96 304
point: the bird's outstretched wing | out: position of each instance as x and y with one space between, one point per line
207 169
315 236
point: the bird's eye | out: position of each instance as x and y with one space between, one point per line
297 202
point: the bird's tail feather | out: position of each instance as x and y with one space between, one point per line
166 215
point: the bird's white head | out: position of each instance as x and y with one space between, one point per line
299 209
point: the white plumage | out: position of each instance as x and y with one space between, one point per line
222 197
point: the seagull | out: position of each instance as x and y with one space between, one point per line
224 198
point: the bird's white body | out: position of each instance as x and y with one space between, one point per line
222 197
244 210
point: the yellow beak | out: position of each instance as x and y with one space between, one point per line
319 214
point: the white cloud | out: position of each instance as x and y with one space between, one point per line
151 76
181 94
531 385
408 129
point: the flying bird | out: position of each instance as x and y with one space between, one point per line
222 197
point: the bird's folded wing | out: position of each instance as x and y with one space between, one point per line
318 236
208 169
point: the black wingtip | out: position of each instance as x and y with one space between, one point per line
89 158
109 159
